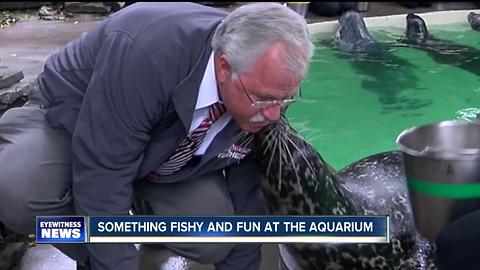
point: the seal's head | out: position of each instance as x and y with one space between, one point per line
474 20
416 29
280 145
294 174
352 33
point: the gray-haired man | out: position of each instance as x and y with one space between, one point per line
134 111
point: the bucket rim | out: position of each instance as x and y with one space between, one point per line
461 154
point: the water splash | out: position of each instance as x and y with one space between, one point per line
468 114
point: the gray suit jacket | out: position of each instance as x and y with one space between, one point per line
126 92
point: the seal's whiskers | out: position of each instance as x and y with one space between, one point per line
302 154
280 165
268 140
295 167
239 137
246 140
271 156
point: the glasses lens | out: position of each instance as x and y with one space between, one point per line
270 103
262 104
287 102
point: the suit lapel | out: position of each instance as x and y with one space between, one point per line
185 95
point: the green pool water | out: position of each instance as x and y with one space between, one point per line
353 108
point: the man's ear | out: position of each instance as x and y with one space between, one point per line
222 68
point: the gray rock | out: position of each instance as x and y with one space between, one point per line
10 78
8 98
51 13
11 254
116 6
87 7
15 96
7 19
12 247
46 11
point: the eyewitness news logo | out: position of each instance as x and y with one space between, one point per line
61 229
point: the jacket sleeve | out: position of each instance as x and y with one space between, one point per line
120 106
243 182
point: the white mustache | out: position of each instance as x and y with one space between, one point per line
258 118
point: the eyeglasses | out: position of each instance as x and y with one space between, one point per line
263 104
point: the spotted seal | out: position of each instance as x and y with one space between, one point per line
380 70
297 181
441 51
474 20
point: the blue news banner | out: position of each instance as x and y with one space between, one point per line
213 229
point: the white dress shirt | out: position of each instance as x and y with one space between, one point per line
208 95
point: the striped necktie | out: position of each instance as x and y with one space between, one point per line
187 148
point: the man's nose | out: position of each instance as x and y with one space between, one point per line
272 113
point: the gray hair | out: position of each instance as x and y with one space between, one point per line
247 32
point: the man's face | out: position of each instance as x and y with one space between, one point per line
248 96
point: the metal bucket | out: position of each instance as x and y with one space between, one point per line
442 166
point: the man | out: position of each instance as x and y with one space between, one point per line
134 111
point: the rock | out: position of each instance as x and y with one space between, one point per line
8 98
7 19
116 6
12 247
50 13
87 7
15 96
11 254
46 11
10 78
